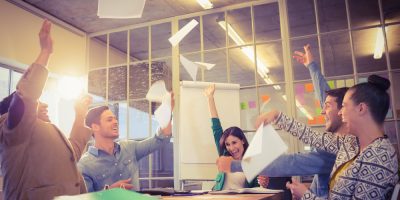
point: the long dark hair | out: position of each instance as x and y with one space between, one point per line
234 131
373 93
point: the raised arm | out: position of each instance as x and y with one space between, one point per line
31 84
80 134
319 82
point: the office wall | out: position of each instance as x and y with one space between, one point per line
19 41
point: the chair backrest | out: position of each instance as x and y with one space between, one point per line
396 190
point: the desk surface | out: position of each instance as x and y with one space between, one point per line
228 197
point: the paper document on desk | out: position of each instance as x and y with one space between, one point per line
256 190
265 147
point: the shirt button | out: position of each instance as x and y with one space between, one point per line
77 184
116 164
120 174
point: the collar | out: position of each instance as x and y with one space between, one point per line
95 151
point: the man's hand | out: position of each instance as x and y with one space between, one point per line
304 58
124 184
46 43
296 188
266 118
209 91
263 181
82 105
224 163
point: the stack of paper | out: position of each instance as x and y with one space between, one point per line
256 190
265 147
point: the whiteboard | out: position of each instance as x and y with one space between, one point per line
197 149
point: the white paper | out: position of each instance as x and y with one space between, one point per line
120 8
265 147
163 113
190 67
157 91
178 36
255 190
207 66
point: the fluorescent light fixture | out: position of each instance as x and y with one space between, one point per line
379 44
206 4
262 69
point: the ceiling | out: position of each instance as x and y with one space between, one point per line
82 14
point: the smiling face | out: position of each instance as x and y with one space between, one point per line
108 127
235 147
331 113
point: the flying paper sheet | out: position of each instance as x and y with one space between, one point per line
120 8
190 67
157 91
163 113
265 147
206 66
178 36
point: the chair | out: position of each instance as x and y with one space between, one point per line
395 193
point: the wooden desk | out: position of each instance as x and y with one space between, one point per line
278 196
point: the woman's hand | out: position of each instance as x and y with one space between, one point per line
296 188
209 91
263 181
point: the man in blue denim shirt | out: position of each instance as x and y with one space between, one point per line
109 164
319 163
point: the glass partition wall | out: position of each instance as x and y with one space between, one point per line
252 45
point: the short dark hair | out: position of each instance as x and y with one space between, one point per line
234 131
338 93
93 115
374 94
5 103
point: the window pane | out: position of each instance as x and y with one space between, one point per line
300 72
336 51
270 63
138 80
301 16
393 41
98 52
213 34
218 73
191 42
308 107
241 66
391 10
332 15
138 119
248 108
267 22
117 83
139 44
118 48
97 85
364 13
4 82
239 27
163 161
160 46
390 131
162 70
364 48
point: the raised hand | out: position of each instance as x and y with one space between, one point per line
124 184
46 43
224 163
266 118
82 105
209 91
304 58
263 181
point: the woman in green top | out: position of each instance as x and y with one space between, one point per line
232 142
